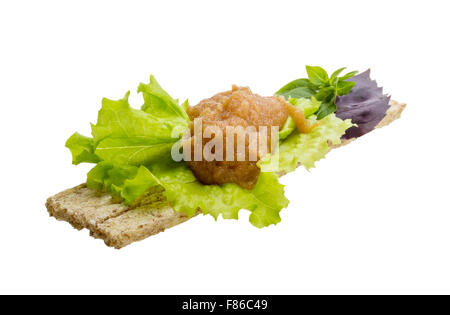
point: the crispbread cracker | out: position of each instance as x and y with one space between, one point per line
119 225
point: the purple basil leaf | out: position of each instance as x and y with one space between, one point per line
365 105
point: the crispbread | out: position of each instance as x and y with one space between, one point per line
119 225
115 223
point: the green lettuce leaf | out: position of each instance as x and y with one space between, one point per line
265 201
306 148
82 149
124 135
308 106
186 194
160 104
125 181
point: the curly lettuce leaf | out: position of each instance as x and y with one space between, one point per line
124 135
185 194
125 181
308 106
82 149
264 201
160 104
117 119
306 148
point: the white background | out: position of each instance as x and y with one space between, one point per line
373 217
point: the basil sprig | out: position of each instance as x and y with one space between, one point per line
323 87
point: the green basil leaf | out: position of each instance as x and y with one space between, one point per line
348 76
296 84
326 109
317 75
325 94
337 72
325 89
344 87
